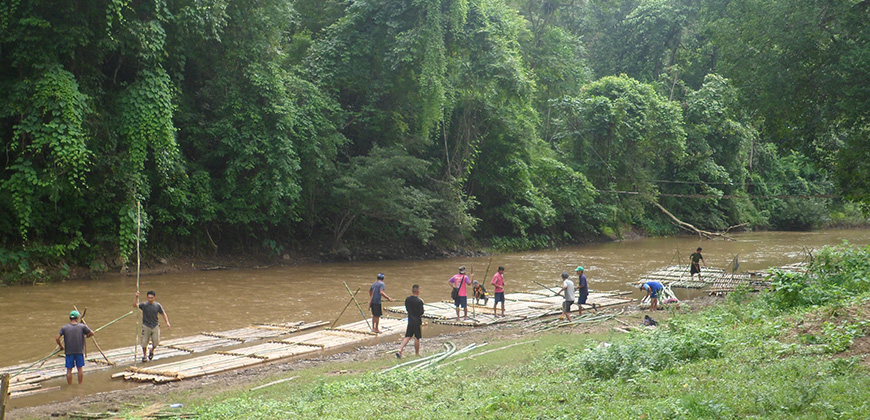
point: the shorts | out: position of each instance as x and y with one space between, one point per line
75 360
377 309
566 305
461 302
655 294
695 269
414 331
499 297
152 334
582 298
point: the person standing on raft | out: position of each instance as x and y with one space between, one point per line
696 259
460 283
498 282
375 293
582 290
568 288
73 345
150 326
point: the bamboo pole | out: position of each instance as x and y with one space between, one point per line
357 305
345 308
93 337
545 287
138 272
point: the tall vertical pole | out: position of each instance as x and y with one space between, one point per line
138 270
4 394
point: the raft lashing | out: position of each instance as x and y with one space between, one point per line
518 307
28 382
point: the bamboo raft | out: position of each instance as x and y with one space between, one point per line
296 345
678 276
519 306
29 382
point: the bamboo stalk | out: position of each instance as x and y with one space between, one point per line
345 307
357 305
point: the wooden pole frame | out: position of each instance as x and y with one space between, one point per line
365 318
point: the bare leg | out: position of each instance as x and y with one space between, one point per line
151 353
653 304
81 375
502 308
402 347
69 376
417 345
375 324
457 314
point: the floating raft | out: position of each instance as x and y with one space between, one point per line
297 345
678 276
29 382
519 306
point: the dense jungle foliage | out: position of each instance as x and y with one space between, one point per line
268 124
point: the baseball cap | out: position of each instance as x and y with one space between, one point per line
74 315
380 276
579 268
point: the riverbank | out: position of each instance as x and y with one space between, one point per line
789 365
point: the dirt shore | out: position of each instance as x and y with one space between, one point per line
212 385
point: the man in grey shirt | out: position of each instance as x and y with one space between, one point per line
568 288
73 345
150 327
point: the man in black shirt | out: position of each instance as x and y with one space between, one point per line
414 306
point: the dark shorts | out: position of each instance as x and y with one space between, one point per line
414 331
75 360
566 305
377 309
695 269
499 297
461 302
581 298
655 294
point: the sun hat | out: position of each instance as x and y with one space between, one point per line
462 270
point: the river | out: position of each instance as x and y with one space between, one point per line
199 301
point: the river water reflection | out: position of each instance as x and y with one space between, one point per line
220 300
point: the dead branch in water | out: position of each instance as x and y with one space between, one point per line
692 228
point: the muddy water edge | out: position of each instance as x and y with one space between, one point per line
200 301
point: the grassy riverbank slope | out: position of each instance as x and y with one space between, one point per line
799 352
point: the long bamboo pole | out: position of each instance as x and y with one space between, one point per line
545 287
349 301
357 306
138 271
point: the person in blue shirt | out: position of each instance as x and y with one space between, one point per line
653 290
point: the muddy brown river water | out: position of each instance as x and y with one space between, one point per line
199 301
